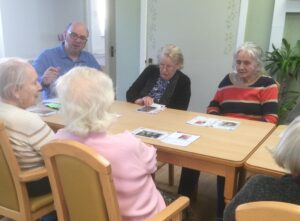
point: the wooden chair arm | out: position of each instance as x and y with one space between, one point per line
33 174
174 208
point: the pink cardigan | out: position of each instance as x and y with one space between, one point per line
132 163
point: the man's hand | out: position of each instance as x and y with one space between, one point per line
50 75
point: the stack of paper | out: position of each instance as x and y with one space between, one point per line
175 138
213 122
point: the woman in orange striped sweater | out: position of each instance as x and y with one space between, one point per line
245 93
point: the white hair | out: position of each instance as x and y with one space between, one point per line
253 51
173 52
13 74
86 96
287 152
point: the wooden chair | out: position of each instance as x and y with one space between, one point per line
82 185
14 201
268 211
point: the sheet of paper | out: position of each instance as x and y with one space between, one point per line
213 122
180 139
42 110
176 138
153 109
149 133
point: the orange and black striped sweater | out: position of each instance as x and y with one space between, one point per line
258 101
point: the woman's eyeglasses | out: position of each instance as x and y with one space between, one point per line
167 66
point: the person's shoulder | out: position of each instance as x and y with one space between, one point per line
183 76
263 180
125 135
151 71
152 67
50 51
87 53
24 121
225 81
267 80
126 138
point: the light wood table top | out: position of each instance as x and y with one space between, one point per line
261 161
217 151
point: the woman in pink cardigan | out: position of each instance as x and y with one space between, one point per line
86 96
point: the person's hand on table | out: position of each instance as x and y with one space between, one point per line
147 101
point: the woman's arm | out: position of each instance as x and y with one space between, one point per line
134 92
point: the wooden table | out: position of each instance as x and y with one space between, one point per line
217 151
261 161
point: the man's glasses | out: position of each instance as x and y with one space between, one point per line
75 36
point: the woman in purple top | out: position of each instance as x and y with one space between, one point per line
86 96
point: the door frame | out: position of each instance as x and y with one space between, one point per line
109 37
143 35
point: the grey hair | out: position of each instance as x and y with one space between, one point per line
287 152
12 76
86 96
173 52
253 51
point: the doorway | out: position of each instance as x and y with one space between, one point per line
101 20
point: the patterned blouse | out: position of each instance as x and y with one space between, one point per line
158 89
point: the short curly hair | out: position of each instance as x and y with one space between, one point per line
173 52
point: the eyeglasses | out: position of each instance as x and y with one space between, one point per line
75 36
167 66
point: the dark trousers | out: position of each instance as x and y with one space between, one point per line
189 181
38 187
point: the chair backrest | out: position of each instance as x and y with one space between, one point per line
267 211
10 187
81 182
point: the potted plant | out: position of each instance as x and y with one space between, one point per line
284 65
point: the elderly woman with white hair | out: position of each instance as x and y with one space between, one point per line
267 188
19 89
163 83
248 93
86 96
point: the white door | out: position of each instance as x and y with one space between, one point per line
101 19
205 31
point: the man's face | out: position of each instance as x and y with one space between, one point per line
76 38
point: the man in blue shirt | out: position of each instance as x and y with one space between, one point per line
55 62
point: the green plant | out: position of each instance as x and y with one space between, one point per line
284 64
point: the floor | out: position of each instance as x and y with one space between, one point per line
204 206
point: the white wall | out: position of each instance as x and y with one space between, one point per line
32 25
205 31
